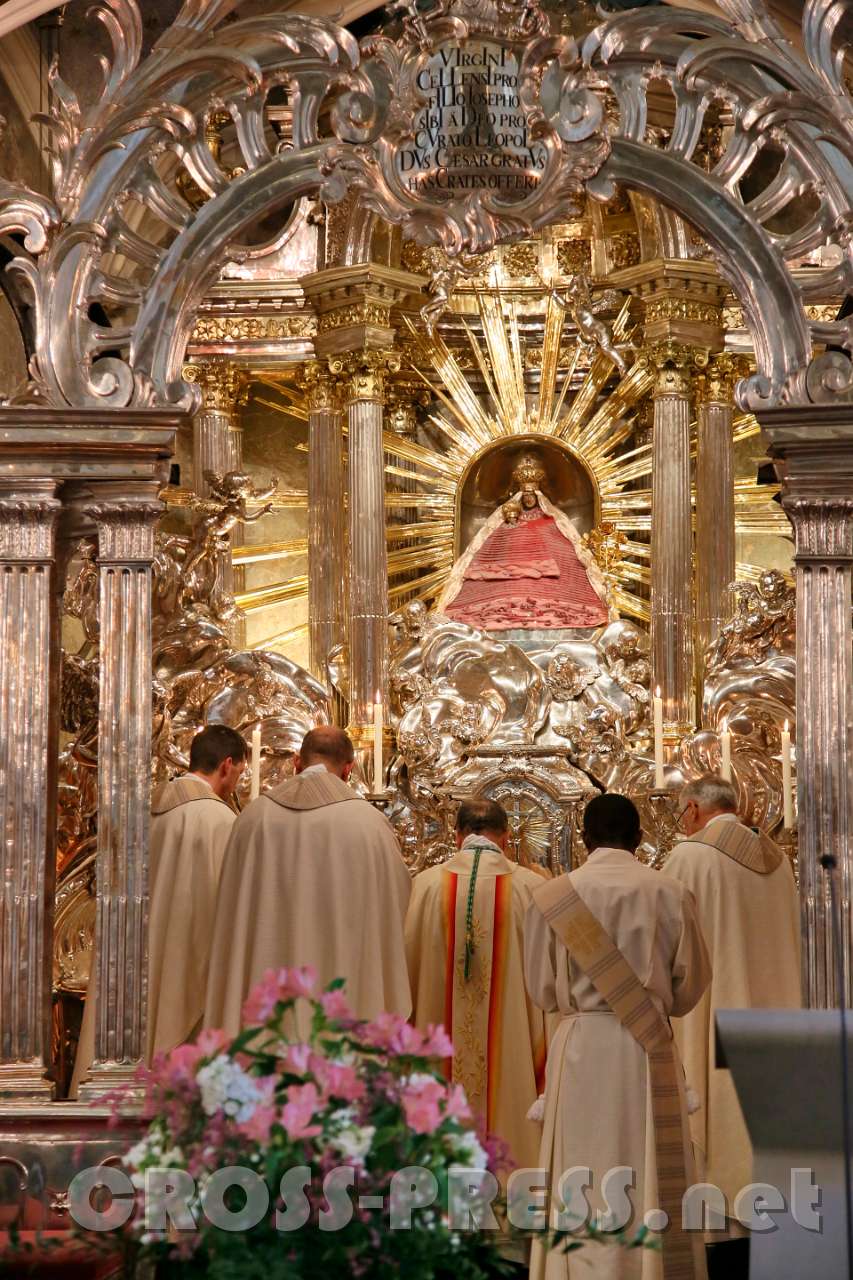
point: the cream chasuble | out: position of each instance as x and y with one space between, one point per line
313 876
190 827
749 912
498 1034
598 1109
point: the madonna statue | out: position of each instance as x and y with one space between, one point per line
526 568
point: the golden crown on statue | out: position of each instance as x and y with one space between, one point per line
528 474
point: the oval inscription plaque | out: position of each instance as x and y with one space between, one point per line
471 134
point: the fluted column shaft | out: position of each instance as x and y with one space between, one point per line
715 503
368 576
672 540
326 519
218 447
217 438
816 446
29 653
125 522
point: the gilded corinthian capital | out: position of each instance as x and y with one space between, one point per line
716 385
223 385
674 364
322 388
365 373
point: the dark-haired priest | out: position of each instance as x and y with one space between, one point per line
191 823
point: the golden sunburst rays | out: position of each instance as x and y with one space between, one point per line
483 396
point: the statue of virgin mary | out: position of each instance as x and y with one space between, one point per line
527 568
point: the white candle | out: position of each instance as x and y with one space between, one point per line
378 774
657 708
726 755
256 763
787 779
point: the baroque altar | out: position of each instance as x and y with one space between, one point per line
491 366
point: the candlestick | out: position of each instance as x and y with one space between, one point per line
726 754
256 763
657 708
378 772
787 779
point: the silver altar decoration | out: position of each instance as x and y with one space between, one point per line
715 502
672 541
67 472
28 514
326 518
583 116
816 454
749 689
105 165
196 678
474 714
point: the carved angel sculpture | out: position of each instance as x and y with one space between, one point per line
440 288
227 506
578 301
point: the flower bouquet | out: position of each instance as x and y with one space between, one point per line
312 1145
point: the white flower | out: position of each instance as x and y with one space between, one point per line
171 1159
353 1142
150 1150
467 1149
342 1118
417 1080
225 1086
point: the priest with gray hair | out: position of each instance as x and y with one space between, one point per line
749 913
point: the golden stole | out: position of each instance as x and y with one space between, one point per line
615 981
752 849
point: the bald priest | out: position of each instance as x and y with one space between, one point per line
313 876
191 822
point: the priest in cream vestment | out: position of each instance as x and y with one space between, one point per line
749 911
614 1096
191 823
313 876
464 942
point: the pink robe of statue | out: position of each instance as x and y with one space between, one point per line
527 575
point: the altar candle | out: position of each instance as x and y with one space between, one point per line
726 754
378 779
256 763
787 779
657 708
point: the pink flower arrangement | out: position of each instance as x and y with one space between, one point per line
367 1095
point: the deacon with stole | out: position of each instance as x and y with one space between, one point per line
616 948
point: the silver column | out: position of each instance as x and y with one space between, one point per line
672 539
218 447
715 502
326 518
815 447
368 575
29 654
125 517
217 438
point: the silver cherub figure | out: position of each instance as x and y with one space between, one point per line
577 299
227 506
